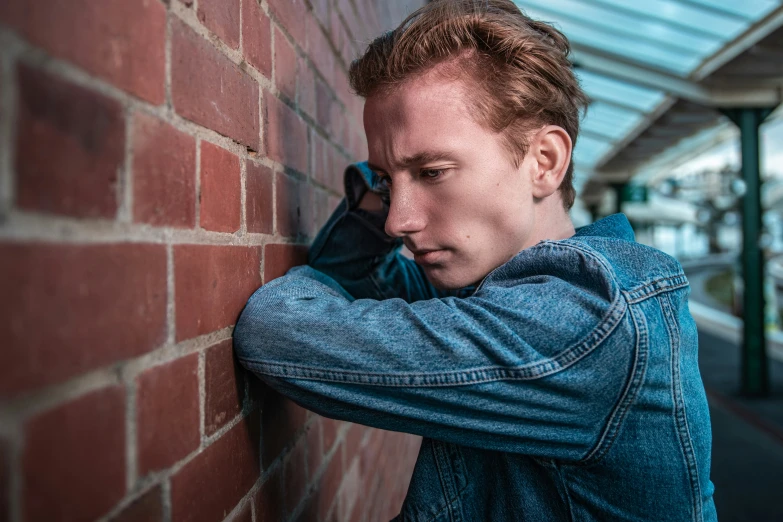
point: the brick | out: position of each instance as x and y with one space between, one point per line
212 284
120 41
295 476
329 485
278 258
244 515
5 480
281 420
86 438
221 190
331 428
321 10
285 66
285 134
257 42
167 414
353 440
310 511
224 384
147 508
269 499
208 487
164 174
341 38
306 88
77 307
291 14
349 492
208 89
321 208
221 17
83 136
294 207
325 110
320 51
259 195
314 448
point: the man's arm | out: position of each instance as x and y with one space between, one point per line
494 371
353 248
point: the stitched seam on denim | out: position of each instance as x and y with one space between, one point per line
432 380
631 391
452 493
653 288
678 404
564 485
587 250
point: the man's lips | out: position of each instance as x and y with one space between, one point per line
427 257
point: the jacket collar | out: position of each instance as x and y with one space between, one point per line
616 226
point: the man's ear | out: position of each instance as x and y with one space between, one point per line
550 150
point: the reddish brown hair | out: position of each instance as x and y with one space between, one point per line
520 66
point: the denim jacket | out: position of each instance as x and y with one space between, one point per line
564 387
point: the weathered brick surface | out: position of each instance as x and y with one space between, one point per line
329 485
281 420
259 196
269 499
294 206
224 385
167 413
295 476
278 258
221 192
82 134
5 480
257 43
120 41
84 438
285 66
164 174
212 284
292 15
76 308
210 90
208 487
147 508
222 18
285 134
134 237
314 448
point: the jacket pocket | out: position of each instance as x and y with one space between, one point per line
437 485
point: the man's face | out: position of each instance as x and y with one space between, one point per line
457 200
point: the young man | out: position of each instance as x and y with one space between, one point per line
551 372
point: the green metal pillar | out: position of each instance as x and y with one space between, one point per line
755 368
619 196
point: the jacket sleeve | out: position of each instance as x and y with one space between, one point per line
496 370
353 249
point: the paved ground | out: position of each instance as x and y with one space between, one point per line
747 457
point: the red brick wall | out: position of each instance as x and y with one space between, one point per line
159 160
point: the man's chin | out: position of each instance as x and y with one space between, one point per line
442 279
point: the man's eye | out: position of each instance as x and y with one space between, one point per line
432 173
384 181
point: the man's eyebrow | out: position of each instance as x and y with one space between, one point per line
417 159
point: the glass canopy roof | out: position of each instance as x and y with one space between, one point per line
670 36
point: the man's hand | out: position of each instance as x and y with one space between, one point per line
371 202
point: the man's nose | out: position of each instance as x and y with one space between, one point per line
406 215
